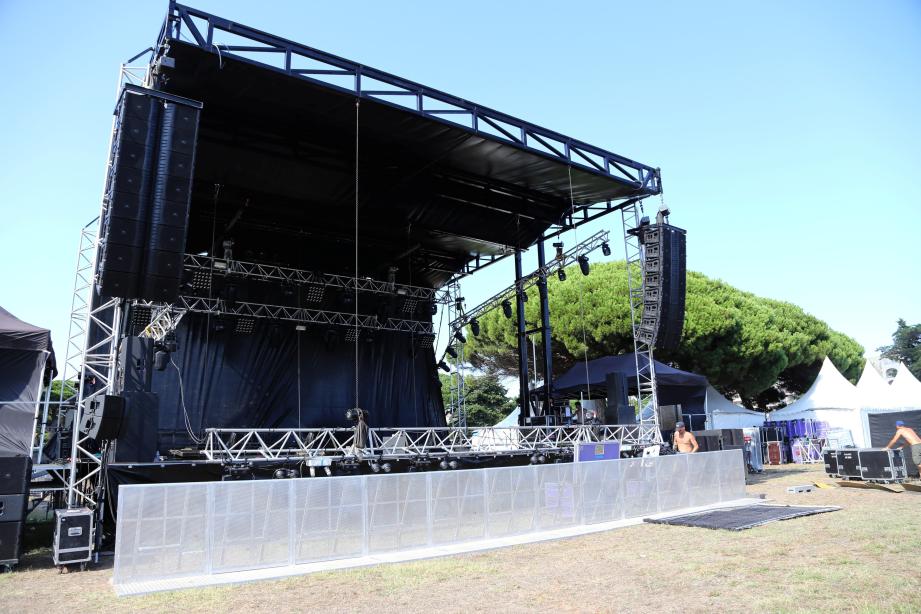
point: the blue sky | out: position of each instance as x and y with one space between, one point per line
788 133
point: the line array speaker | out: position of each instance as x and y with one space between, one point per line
664 285
148 196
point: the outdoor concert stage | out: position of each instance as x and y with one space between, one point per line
280 228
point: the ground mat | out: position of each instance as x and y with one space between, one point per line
738 518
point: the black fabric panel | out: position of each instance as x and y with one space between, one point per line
250 380
882 428
20 379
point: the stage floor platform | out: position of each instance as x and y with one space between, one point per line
252 575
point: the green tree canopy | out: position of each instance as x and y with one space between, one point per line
741 342
906 346
485 399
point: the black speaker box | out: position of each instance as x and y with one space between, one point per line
733 437
167 244
135 363
15 474
122 258
137 438
118 283
127 232
131 180
103 418
13 507
618 410
673 286
10 542
158 288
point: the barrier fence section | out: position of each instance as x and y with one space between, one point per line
177 530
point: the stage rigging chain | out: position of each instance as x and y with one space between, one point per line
575 237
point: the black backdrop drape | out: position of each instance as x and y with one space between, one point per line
277 377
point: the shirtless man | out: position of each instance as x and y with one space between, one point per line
684 442
911 440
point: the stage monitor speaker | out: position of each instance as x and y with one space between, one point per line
13 507
618 409
10 542
15 474
103 418
137 437
148 195
135 364
664 284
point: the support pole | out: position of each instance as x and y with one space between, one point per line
545 336
523 390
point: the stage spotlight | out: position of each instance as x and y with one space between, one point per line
161 359
443 464
387 467
559 250
524 296
583 264
375 467
217 326
507 308
444 366
280 474
459 335
450 351
475 327
606 249
169 342
561 274
453 464
433 308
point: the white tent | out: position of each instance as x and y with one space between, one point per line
906 389
873 392
831 399
724 414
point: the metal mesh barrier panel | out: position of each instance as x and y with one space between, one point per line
192 529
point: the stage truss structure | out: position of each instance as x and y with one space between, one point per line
634 252
337 445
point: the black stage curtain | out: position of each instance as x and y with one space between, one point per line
277 377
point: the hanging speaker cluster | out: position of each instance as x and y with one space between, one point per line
147 196
664 284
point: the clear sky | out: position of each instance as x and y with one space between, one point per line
788 133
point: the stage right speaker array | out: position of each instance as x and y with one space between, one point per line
664 284
148 192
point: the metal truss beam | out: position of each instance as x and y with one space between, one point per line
234 445
571 256
274 53
285 275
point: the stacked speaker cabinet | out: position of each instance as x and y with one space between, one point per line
148 195
15 473
664 273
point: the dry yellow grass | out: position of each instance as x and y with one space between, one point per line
865 558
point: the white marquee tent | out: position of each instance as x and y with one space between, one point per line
906 389
724 414
831 399
873 392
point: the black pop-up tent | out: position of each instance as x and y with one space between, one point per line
675 387
26 362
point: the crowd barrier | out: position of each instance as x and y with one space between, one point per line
175 530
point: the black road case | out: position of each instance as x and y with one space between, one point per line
73 536
849 464
831 462
882 465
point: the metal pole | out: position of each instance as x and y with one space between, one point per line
522 344
545 324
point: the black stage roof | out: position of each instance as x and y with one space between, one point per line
445 186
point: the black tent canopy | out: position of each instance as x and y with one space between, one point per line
674 386
25 355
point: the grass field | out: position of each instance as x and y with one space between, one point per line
865 558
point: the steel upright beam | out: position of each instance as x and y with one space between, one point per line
545 330
523 389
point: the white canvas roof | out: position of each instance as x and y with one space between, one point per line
830 390
873 391
724 414
906 389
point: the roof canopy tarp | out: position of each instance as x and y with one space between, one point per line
674 386
25 354
872 390
724 414
906 389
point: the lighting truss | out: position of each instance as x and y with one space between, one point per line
634 252
336 444
315 282
569 257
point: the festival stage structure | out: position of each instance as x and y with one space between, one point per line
280 227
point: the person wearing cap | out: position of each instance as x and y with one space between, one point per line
911 440
683 441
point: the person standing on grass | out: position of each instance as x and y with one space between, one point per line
911 440
683 441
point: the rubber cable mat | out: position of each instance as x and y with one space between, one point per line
739 518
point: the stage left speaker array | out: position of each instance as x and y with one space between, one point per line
148 196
